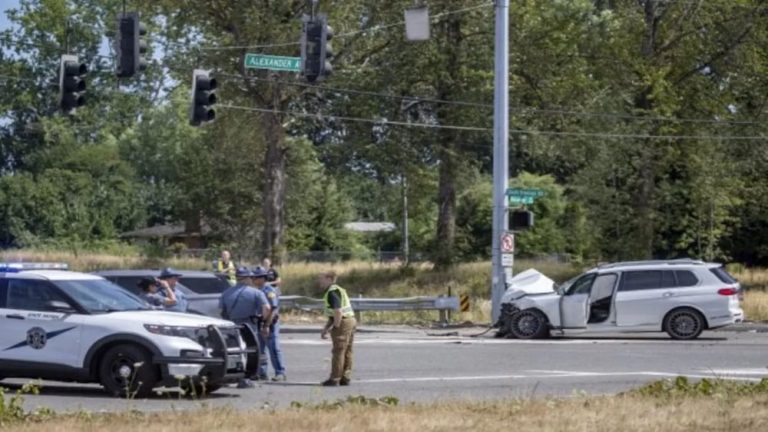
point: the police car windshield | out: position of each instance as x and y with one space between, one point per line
101 296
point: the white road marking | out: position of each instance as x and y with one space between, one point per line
463 341
731 372
542 374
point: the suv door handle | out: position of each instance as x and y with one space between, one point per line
668 294
18 317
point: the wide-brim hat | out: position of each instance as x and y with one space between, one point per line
259 272
243 272
168 272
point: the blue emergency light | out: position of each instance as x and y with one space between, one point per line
16 267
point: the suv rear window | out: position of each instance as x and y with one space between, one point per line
723 275
686 278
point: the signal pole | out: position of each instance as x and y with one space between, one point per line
500 154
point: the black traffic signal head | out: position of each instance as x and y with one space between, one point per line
316 50
521 220
203 97
71 83
130 45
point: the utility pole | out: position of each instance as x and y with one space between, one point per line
500 154
406 246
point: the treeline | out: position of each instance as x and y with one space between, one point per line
644 120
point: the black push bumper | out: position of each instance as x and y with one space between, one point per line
225 365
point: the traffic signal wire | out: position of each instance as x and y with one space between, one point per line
520 109
384 122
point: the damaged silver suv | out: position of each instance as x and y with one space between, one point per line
680 297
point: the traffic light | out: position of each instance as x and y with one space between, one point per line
203 97
130 45
71 83
521 220
316 50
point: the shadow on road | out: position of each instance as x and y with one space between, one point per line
95 392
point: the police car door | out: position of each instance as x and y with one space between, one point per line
35 328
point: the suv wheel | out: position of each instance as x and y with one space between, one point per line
684 324
127 371
529 324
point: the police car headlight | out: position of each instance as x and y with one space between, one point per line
197 334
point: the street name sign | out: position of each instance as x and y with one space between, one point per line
523 195
278 63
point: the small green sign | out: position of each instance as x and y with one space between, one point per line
278 63
523 196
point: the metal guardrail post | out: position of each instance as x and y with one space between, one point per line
358 312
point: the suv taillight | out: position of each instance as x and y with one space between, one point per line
727 291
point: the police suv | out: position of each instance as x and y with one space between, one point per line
68 326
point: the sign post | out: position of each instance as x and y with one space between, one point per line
523 195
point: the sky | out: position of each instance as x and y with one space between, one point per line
4 6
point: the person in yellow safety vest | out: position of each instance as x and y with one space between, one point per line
226 267
341 325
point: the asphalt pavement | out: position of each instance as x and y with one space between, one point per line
443 365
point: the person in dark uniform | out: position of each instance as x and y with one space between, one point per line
171 277
245 305
341 325
150 293
272 341
273 277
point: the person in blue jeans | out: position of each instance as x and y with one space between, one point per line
272 340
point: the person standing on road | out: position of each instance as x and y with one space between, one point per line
245 305
272 341
171 277
226 267
272 276
150 293
341 325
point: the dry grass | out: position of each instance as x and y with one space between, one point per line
755 305
592 414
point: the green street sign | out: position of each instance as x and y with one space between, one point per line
523 196
278 63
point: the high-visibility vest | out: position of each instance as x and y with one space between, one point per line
346 305
229 269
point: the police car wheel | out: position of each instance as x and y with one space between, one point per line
127 371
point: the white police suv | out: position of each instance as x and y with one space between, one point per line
68 326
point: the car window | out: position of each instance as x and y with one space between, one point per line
723 275
128 283
603 287
204 285
32 295
667 279
640 280
686 278
3 292
582 285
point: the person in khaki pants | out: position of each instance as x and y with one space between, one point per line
341 325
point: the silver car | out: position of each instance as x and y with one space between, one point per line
679 297
203 289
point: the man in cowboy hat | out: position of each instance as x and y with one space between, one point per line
269 338
171 277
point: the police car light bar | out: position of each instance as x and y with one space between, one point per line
17 267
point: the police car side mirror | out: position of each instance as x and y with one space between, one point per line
58 306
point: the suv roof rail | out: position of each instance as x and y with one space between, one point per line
678 261
15 267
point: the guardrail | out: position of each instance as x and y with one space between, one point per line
361 304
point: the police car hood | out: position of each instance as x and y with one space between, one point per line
170 318
529 282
